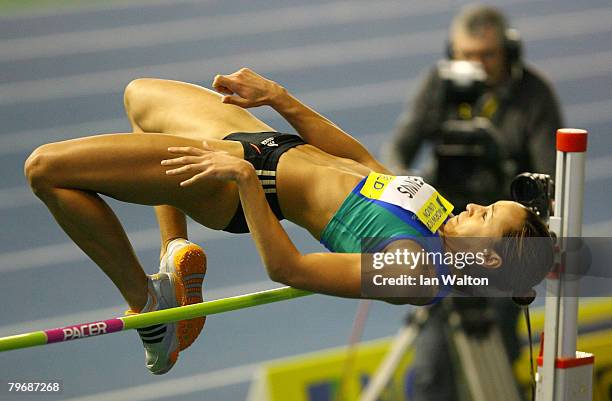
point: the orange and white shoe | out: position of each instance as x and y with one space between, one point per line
185 263
160 341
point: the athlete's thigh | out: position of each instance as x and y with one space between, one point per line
127 167
179 108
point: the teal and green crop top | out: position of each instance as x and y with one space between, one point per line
384 208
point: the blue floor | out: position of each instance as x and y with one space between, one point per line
62 74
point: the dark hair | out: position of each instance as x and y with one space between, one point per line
527 254
474 19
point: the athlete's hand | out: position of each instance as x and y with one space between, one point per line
246 88
198 164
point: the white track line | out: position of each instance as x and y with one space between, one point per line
26 141
542 27
599 168
114 311
264 61
200 382
326 101
266 21
316 55
16 197
601 229
180 386
335 99
67 252
216 26
82 8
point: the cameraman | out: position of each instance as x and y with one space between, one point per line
522 107
517 101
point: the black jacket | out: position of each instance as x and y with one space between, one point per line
527 117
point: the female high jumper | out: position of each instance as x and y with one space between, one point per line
199 153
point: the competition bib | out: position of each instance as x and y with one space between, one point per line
410 193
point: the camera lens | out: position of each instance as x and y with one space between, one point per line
524 188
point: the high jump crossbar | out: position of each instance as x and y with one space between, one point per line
100 327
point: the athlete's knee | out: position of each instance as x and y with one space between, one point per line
40 167
133 94
141 98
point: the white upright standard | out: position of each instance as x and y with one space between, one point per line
565 374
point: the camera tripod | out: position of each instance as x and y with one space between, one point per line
476 347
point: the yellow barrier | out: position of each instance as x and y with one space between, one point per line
317 376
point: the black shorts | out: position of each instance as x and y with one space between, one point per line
262 150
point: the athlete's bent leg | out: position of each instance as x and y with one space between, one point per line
68 176
178 108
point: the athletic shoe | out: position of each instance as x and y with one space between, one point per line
185 263
160 340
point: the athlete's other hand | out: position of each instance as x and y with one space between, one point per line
198 164
246 88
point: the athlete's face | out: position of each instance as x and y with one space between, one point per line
486 221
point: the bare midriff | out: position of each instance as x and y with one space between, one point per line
312 184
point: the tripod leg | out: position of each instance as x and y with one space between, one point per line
403 340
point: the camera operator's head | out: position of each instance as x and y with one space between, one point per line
478 33
518 248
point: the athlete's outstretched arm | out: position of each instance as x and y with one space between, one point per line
246 89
